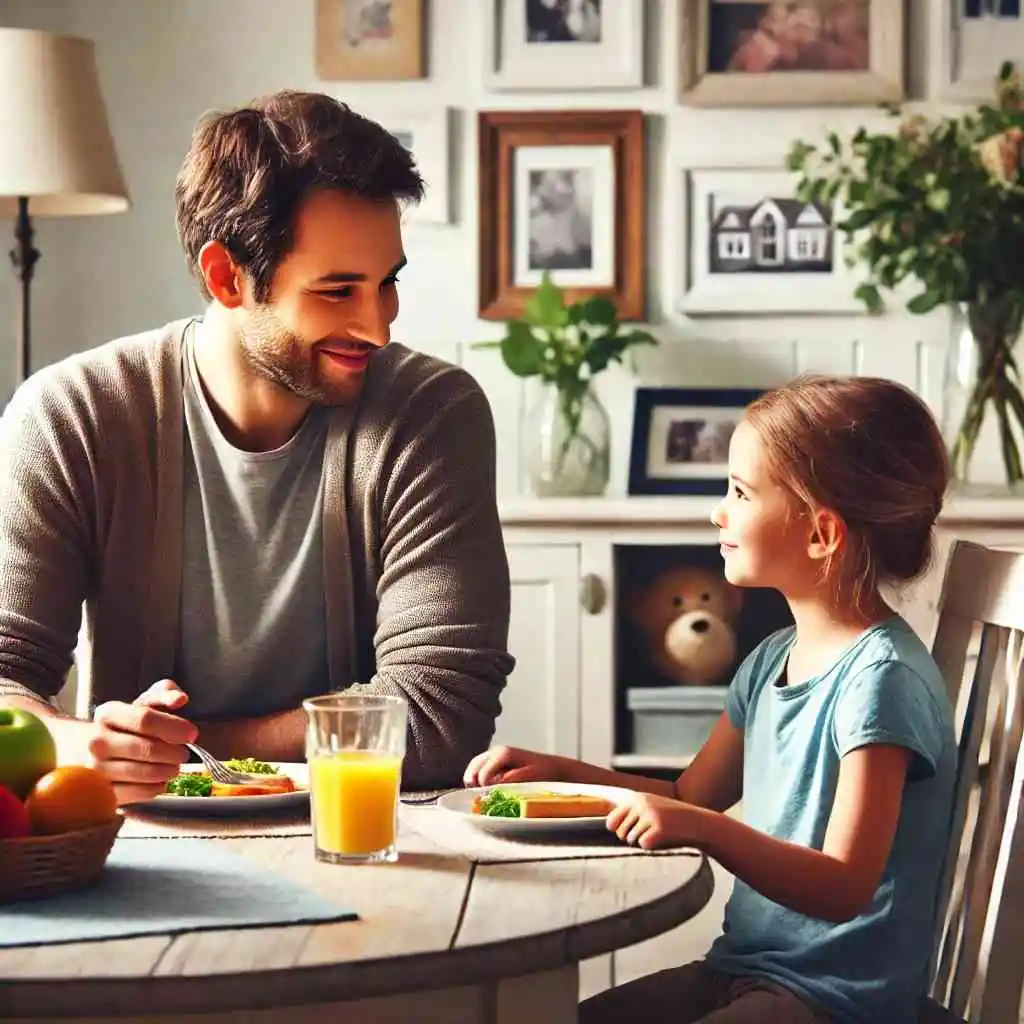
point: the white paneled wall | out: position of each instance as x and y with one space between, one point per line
163 62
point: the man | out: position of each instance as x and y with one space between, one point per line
265 503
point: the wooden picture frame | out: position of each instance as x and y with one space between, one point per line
594 159
369 40
881 81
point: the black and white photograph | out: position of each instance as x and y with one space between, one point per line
769 236
561 219
698 440
563 21
992 9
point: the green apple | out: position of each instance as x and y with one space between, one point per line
27 751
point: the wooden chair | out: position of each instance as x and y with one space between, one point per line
978 959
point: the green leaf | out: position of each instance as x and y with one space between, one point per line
522 350
939 199
925 302
485 344
598 310
870 296
546 306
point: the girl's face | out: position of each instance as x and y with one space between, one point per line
764 533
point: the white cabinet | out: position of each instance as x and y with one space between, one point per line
540 704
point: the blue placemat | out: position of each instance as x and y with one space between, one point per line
160 886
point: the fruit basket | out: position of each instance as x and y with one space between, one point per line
39 866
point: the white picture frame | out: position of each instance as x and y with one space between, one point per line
968 52
750 248
426 132
516 64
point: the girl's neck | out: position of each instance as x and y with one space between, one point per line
825 626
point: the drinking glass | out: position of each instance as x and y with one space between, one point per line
354 748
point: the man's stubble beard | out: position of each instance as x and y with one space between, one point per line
276 354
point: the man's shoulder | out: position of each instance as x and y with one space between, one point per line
402 380
129 368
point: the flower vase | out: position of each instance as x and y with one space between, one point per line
982 392
566 442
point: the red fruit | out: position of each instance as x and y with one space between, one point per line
13 816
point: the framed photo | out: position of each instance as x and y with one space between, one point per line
363 40
971 39
737 53
561 191
753 247
425 133
681 438
564 44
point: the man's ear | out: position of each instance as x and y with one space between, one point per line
827 534
223 277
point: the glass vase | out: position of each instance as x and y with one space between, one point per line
982 393
566 442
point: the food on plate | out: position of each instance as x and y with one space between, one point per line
27 750
200 783
70 797
501 803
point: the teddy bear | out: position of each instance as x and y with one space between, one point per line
687 617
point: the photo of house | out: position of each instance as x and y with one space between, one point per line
770 236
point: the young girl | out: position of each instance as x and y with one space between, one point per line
838 733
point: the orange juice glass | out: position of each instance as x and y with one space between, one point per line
355 746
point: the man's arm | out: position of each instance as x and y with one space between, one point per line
443 595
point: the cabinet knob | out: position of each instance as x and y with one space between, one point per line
592 594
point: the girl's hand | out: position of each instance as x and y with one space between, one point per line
510 764
652 822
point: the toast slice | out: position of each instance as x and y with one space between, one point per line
563 805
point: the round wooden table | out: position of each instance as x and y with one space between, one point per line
440 937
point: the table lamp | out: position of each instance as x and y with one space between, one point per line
57 155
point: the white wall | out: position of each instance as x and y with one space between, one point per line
163 62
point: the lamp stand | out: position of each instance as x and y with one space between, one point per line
24 257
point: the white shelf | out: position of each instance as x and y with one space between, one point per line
970 506
667 761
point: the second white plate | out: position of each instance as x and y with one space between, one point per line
461 803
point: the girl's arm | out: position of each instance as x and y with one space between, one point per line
836 883
715 778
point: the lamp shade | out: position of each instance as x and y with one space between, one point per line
55 143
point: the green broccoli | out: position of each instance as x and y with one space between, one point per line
190 784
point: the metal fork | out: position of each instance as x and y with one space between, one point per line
219 771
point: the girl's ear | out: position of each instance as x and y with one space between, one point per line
827 534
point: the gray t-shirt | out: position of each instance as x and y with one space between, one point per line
252 629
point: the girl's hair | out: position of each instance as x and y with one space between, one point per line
869 450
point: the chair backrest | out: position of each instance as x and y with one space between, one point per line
978 959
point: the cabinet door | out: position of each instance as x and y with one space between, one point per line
540 704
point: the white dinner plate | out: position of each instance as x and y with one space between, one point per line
460 802
235 806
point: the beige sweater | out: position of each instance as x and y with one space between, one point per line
415 573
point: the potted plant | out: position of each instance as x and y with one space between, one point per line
566 432
942 201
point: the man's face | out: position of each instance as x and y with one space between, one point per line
332 300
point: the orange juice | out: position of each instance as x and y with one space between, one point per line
355 800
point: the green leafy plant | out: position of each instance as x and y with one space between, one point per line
566 345
941 203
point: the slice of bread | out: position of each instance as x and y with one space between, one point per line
563 805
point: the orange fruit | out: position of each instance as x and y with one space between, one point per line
69 798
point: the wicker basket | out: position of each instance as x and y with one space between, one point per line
40 866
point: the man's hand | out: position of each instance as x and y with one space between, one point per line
139 746
652 822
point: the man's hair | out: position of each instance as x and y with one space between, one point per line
870 450
248 170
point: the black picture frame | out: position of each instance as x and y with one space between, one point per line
684 472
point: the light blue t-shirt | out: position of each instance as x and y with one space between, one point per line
884 688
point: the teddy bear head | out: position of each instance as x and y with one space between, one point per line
687 616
